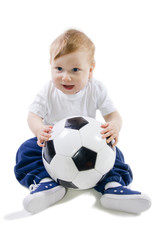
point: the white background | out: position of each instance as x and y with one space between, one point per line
127 39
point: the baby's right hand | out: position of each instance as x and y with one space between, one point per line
43 134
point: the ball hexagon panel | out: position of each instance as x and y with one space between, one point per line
57 129
103 165
91 178
84 159
91 136
67 142
101 179
75 123
62 167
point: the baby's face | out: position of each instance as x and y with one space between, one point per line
71 72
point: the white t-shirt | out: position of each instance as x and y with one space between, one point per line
53 105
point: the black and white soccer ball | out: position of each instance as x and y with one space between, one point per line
76 156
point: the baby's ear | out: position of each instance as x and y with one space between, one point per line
91 71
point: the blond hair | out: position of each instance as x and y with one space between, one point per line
71 41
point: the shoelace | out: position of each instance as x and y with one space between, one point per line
34 186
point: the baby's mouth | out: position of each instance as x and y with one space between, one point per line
68 87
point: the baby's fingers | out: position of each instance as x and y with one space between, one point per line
104 125
48 129
115 142
110 138
40 144
46 134
107 134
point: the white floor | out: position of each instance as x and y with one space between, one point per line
78 216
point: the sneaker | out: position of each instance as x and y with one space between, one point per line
126 200
43 195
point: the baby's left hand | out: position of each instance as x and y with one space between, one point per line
110 131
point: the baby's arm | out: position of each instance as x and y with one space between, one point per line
41 131
112 127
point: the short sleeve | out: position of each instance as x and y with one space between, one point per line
103 101
39 105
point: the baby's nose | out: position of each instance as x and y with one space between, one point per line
66 77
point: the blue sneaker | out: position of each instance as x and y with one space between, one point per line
43 195
126 200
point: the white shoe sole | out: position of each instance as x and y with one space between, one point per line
39 201
126 203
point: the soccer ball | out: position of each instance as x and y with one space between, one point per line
76 156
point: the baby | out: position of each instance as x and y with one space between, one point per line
73 91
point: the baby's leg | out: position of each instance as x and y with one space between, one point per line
29 165
31 173
116 195
121 174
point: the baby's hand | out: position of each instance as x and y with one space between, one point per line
110 132
43 134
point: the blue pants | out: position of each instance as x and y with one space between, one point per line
29 166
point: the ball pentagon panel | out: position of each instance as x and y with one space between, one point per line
67 184
49 151
84 159
75 123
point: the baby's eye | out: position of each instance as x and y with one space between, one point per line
59 69
75 69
